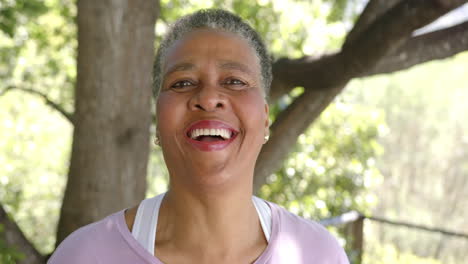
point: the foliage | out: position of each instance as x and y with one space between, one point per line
38 53
35 146
333 163
13 13
41 53
424 164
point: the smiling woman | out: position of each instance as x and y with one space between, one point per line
212 74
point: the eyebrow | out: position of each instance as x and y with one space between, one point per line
225 65
184 66
232 65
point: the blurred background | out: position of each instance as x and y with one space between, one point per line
391 146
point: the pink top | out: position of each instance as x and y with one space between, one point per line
293 240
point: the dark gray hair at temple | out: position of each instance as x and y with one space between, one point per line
214 19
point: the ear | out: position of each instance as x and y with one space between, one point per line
266 133
267 116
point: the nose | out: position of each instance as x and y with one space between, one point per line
207 98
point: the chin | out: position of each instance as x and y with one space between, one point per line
216 174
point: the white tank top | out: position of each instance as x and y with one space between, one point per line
146 220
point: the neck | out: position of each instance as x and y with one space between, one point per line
225 221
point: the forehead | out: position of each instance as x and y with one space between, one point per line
209 45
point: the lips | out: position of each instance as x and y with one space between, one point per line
210 135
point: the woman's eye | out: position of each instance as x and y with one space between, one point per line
181 84
234 82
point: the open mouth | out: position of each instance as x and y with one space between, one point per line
210 134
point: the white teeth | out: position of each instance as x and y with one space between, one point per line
224 133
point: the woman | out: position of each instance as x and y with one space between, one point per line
212 75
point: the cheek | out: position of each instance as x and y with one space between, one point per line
167 113
253 109
161 109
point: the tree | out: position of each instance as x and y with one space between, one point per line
115 43
381 35
113 111
113 87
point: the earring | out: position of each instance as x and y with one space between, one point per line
267 137
156 141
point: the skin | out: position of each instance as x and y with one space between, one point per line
208 213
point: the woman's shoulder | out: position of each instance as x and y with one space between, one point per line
312 238
83 245
294 222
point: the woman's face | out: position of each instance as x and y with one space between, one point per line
211 111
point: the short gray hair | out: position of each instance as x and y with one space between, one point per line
213 19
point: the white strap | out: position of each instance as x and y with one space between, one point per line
146 220
264 213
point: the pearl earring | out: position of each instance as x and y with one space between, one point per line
266 138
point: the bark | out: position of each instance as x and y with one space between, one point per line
385 35
15 239
440 44
371 12
435 45
112 119
330 74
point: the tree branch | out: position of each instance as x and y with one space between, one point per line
384 36
14 238
48 101
289 124
323 79
6 90
371 12
435 45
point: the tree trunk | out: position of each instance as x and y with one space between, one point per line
112 118
11 234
